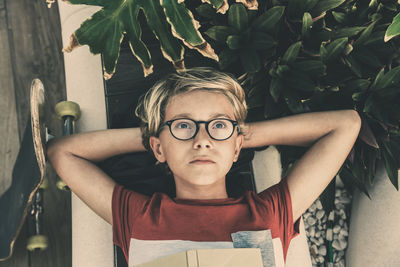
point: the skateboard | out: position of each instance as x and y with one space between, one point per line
25 195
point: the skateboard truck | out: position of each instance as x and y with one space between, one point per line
68 112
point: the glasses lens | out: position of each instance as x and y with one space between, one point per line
183 129
220 129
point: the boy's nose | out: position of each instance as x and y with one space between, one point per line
202 139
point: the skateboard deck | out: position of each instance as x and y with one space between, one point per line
28 173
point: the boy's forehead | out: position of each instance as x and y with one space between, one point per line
203 105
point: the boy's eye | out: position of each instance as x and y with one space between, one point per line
183 125
219 124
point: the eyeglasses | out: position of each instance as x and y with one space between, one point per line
185 129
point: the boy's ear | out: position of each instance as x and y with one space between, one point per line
155 145
239 145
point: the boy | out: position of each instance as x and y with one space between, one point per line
194 124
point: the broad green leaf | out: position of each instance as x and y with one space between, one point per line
325 5
291 53
227 57
376 38
347 32
185 27
314 68
237 17
339 16
393 29
220 33
234 42
298 80
391 78
250 60
335 48
268 21
308 4
262 41
206 11
365 35
306 25
367 56
103 33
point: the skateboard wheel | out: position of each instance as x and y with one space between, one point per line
61 185
44 183
68 108
37 242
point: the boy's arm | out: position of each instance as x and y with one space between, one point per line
332 134
73 159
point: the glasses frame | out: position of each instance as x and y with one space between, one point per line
197 123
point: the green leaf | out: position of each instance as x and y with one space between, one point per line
237 17
293 101
281 70
349 178
339 16
376 38
206 11
353 65
298 80
369 104
390 166
367 135
275 88
335 48
347 32
262 41
268 21
291 53
306 25
366 56
219 33
325 5
314 68
391 78
378 78
357 85
217 3
227 57
234 42
365 35
250 60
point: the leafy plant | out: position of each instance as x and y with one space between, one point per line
290 56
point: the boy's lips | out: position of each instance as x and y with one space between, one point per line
202 161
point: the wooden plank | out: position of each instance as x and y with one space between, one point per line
34 35
9 141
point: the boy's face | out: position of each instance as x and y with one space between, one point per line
180 155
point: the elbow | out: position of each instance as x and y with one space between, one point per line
353 120
53 150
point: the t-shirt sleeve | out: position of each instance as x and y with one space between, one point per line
279 204
126 204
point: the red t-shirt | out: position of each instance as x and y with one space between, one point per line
147 228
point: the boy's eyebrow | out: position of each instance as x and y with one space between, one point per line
214 115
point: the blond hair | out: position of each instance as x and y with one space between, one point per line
152 105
